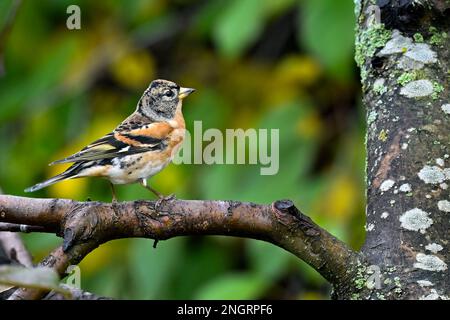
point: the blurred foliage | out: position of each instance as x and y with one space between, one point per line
265 64
38 278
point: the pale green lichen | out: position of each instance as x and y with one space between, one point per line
357 7
417 89
398 285
380 296
367 42
414 54
355 296
379 87
406 77
437 89
446 108
415 220
418 37
361 277
360 282
371 117
430 262
437 38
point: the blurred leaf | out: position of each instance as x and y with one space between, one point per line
296 69
266 259
140 11
312 295
153 30
37 278
105 255
168 181
134 70
150 269
206 261
310 273
5 7
327 31
211 108
245 182
110 281
278 6
235 286
238 26
207 16
40 243
341 197
32 93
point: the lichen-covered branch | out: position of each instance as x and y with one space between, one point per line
85 225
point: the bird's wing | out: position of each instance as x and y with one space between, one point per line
121 143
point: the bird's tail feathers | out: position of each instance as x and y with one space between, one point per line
68 174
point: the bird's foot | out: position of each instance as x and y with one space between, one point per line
115 206
163 199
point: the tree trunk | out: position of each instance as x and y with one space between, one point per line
402 49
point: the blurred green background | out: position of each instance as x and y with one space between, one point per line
282 64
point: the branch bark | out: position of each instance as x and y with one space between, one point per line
85 225
14 248
77 294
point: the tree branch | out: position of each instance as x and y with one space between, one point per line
15 249
59 260
85 225
13 227
77 294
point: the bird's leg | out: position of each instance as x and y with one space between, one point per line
114 202
161 197
113 190
146 186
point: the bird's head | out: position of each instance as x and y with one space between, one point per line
161 99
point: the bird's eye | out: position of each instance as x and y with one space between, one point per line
169 93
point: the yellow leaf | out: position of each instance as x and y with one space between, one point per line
309 126
134 70
169 180
102 256
342 198
301 70
73 189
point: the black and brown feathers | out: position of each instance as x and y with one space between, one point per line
141 146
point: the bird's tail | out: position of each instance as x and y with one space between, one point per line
71 172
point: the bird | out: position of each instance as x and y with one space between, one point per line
139 147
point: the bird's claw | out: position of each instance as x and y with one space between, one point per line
163 199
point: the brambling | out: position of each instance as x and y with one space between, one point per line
140 147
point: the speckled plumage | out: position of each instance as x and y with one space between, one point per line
140 147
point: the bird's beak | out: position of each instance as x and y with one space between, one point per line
184 92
